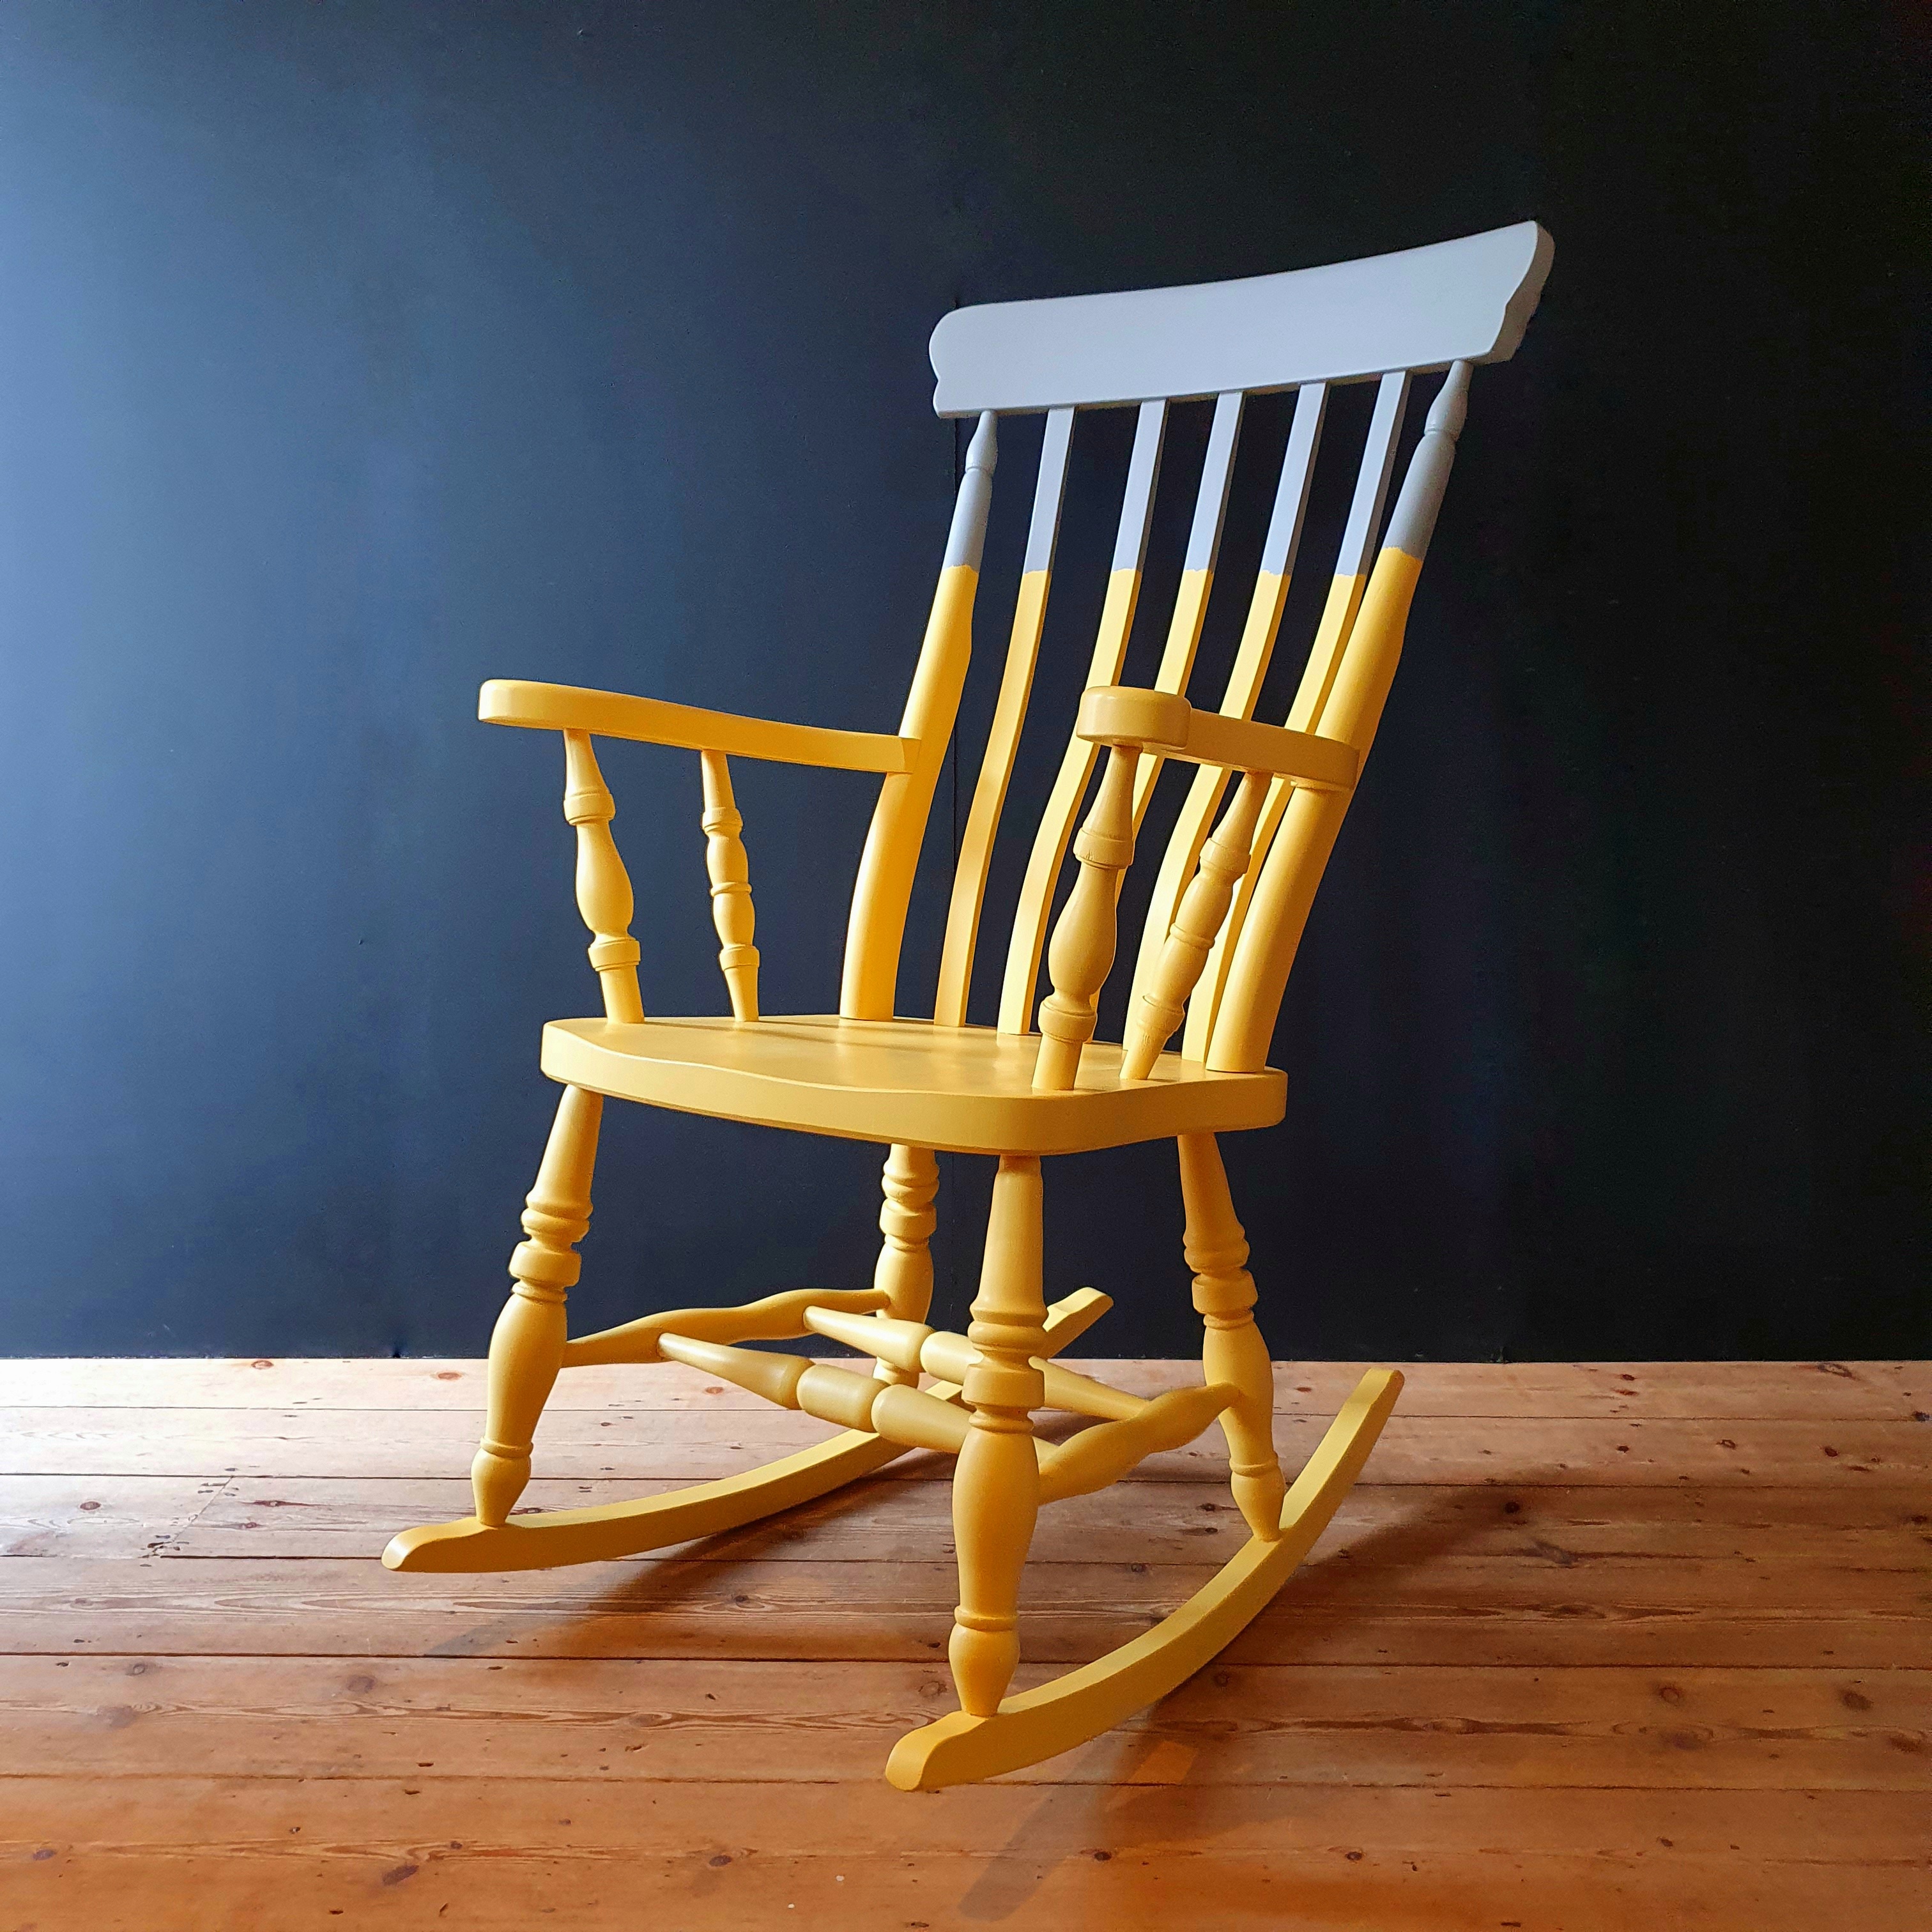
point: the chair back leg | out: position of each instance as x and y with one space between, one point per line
1232 1347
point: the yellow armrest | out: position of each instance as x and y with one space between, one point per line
1152 721
610 714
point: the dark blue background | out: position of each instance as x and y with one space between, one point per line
351 354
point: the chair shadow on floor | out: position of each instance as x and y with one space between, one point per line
1133 1805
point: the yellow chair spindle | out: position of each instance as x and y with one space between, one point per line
1084 941
1224 862
1076 765
1307 713
603 887
1265 606
876 930
731 910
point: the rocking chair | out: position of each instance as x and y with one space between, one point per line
1227 914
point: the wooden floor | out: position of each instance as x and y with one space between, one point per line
1590 1647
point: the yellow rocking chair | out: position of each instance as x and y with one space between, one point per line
1227 914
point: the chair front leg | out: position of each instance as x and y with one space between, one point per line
526 1345
996 1484
1232 1347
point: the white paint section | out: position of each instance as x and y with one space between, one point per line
1421 308
1143 476
967 539
1217 472
1043 533
1414 522
1372 480
1297 473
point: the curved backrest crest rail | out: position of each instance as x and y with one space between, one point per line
1229 905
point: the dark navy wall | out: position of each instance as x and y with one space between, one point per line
351 354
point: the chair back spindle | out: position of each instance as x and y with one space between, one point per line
879 899
1003 740
1250 667
1286 890
1197 574
1345 589
1076 767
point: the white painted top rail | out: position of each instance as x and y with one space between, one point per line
1423 308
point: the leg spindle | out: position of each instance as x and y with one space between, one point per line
903 1273
996 1485
527 1346
1231 1348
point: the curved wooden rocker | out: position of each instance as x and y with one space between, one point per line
1229 906
1041 1723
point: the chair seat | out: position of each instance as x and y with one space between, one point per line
965 1089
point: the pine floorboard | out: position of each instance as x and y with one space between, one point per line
1591 1646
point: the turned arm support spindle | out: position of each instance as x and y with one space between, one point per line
1082 951
731 910
1197 924
603 895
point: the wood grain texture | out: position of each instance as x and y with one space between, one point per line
1780 1391
1610 1698
1711 1452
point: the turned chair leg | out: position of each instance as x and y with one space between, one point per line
526 1345
907 1222
996 1484
1232 1347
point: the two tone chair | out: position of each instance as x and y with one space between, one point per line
1229 904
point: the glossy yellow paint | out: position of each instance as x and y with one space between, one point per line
1160 726
891 857
1284 890
968 1089
1056 823
989 798
1252 657
1176 665
1331 635
610 714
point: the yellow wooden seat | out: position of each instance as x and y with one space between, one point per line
963 1089
1228 908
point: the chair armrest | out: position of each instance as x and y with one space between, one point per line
1170 728
610 714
